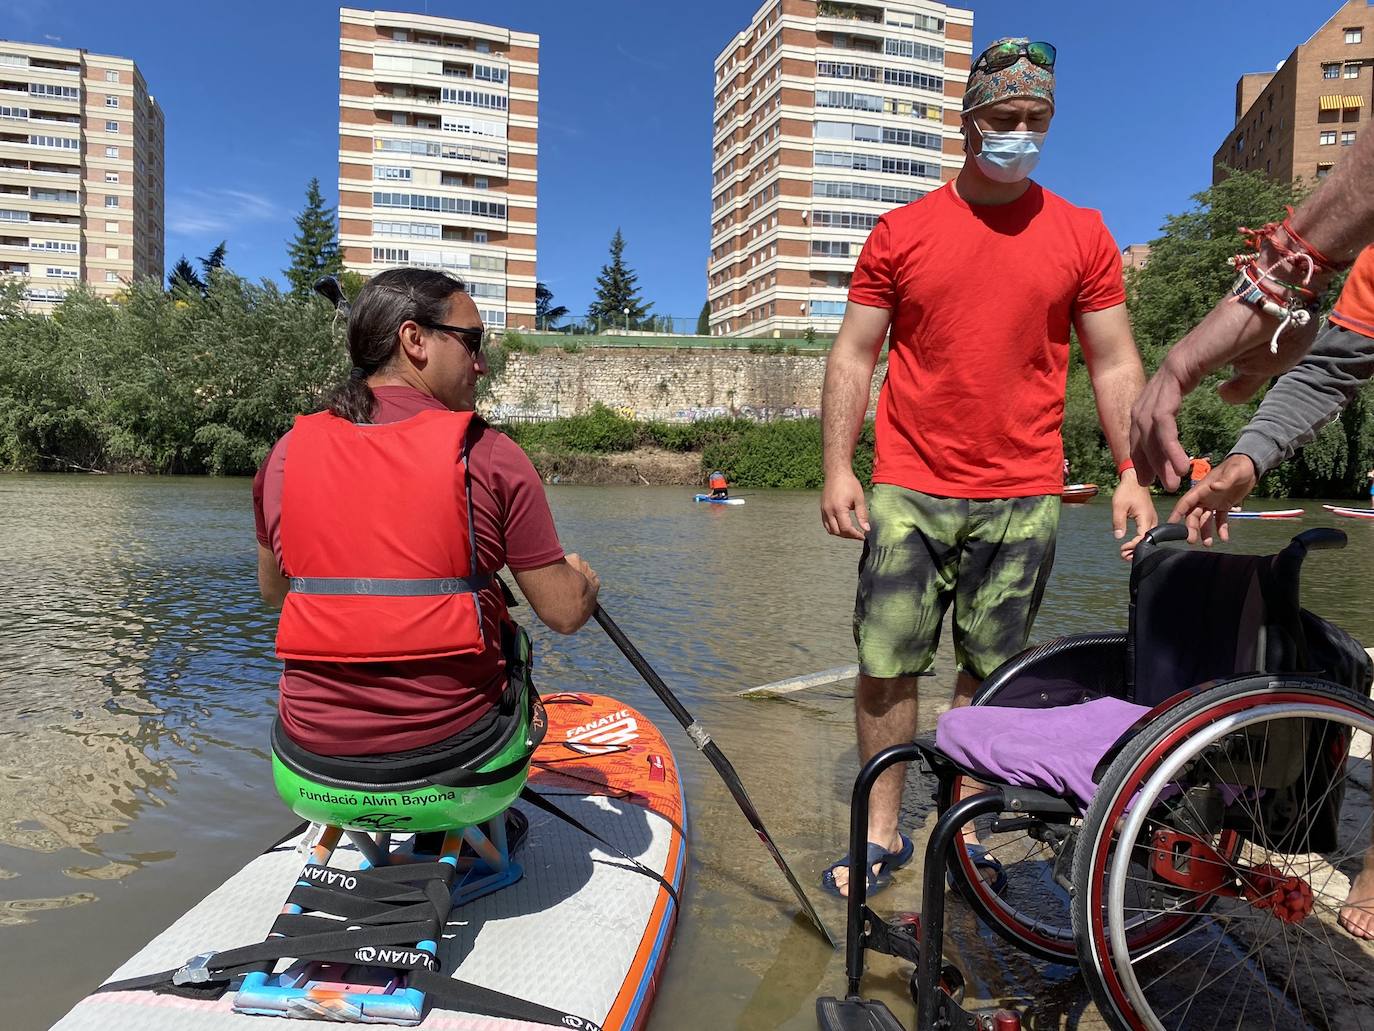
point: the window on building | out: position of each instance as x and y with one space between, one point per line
112 252
479 236
111 276
479 182
112 177
400 35
1355 35
1352 71
112 152
1331 71
111 101
111 202
111 75
112 127
111 227
1348 138
1328 137
1324 169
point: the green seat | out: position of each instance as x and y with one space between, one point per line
362 800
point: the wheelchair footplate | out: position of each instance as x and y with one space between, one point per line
900 936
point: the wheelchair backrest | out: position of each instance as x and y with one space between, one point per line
1201 616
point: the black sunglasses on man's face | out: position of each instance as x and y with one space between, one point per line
471 336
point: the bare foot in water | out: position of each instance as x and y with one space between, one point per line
1357 915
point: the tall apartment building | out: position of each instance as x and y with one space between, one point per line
438 153
826 115
81 172
1295 122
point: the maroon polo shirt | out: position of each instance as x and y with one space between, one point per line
347 708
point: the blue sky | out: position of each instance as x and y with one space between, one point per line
250 91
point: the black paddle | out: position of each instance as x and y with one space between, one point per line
708 748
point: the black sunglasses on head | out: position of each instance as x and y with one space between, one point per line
1004 55
471 336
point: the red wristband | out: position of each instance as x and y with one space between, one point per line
1128 464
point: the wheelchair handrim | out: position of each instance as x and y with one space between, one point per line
1118 975
1024 931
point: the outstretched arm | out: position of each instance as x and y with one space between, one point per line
1117 378
1338 221
1303 400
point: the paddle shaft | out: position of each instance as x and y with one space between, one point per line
708 748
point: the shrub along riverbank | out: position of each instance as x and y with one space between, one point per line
784 455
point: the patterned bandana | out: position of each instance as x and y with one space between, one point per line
1022 79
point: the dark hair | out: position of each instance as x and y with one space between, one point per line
389 299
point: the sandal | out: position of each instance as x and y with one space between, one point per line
886 862
983 860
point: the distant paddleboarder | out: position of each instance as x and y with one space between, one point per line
720 487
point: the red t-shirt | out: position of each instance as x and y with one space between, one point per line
1355 307
335 708
982 300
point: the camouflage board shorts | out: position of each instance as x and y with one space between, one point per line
991 558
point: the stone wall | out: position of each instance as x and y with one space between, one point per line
673 385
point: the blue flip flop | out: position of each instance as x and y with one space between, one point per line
886 862
982 860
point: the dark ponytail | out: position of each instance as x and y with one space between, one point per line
389 299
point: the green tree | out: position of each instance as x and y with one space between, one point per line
1187 271
183 277
547 315
315 250
352 283
214 260
704 320
160 381
1186 274
616 291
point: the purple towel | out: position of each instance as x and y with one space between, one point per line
1055 750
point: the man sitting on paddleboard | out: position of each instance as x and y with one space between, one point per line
1298 405
980 283
394 631
720 487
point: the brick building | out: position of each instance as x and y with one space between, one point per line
81 172
827 114
438 153
1294 123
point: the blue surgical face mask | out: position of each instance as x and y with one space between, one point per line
1009 157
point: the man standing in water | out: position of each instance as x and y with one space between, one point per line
980 283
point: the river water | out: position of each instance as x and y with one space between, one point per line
138 688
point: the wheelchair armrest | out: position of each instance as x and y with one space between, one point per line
1065 671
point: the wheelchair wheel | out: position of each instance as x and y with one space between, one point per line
1033 910
1247 807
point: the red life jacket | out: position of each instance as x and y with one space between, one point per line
377 542
718 482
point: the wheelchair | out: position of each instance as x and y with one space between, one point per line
1177 809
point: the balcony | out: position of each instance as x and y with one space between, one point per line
849 12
